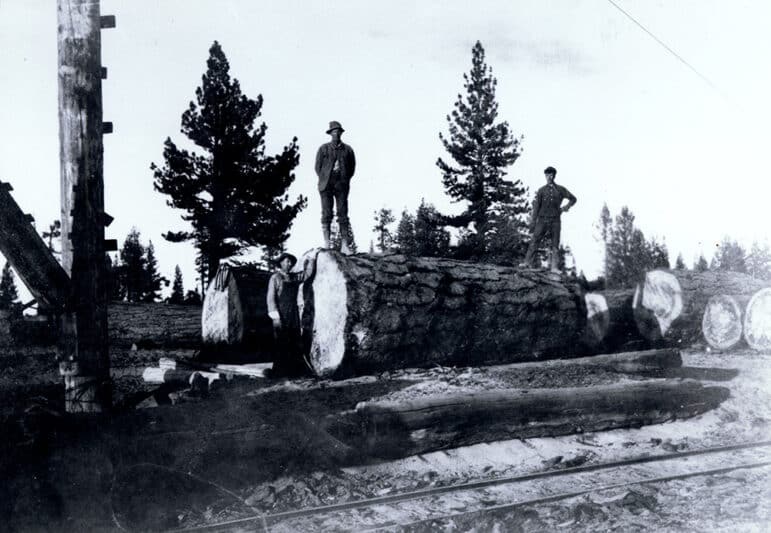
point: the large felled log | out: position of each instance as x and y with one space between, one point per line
669 305
722 321
757 321
235 311
438 422
156 325
609 320
368 313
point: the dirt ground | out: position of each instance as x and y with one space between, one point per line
256 445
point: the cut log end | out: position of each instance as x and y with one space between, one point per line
597 318
757 321
330 316
658 301
722 322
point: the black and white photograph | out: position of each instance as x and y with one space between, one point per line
406 266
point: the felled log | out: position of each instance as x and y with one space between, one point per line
757 321
235 312
154 325
394 428
669 305
645 361
366 313
609 320
721 323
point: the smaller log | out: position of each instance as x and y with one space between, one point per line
722 321
757 321
669 305
396 428
645 361
195 380
609 321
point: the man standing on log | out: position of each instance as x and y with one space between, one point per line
282 309
335 165
547 208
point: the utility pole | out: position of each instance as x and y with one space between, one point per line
83 350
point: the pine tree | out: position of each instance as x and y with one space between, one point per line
430 238
405 234
133 272
153 280
482 149
701 265
178 288
628 254
679 262
730 256
193 298
383 220
54 232
235 196
759 261
659 255
8 292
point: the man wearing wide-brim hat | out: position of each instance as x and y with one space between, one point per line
283 311
335 166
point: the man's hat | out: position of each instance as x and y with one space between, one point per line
335 125
283 256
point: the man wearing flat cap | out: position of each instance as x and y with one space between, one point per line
335 165
283 311
547 208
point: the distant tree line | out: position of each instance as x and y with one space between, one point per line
134 276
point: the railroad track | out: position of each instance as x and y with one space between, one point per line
422 507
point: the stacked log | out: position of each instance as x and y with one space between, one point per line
669 306
154 325
235 312
610 323
722 321
757 321
365 313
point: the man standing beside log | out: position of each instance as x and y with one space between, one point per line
335 165
283 310
547 208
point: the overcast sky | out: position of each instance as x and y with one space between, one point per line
622 119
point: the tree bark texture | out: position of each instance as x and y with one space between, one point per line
434 423
757 321
84 346
669 305
366 313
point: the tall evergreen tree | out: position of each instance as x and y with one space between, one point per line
153 280
759 261
730 255
177 288
405 233
133 274
627 253
701 264
8 292
234 196
54 232
482 149
383 220
679 262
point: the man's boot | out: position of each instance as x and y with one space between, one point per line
326 233
345 240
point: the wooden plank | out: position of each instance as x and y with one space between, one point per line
84 346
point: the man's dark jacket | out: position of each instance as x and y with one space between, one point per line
548 200
325 160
